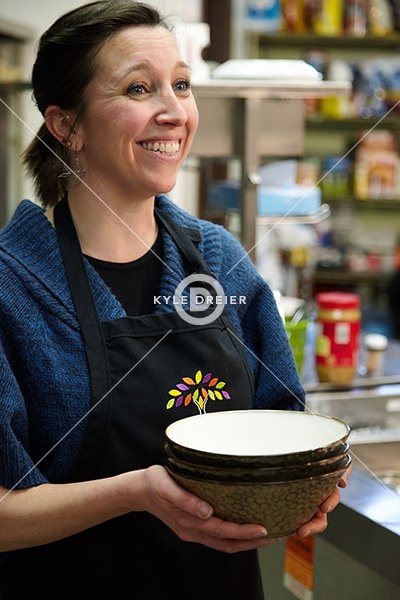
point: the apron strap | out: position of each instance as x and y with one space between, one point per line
183 241
82 296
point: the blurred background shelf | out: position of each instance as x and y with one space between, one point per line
352 123
262 42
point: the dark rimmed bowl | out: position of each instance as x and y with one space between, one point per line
260 475
282 507
257 438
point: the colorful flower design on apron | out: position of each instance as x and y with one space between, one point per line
198 390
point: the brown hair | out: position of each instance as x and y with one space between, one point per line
64 66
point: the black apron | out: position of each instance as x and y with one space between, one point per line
138 366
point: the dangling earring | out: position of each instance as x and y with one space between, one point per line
79 169
75 173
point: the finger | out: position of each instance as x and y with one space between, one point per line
222 535
231 546
343 482
331 502
221 529
174 494
317 524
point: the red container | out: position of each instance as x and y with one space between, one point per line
338 336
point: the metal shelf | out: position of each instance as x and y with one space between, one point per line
12 85
353 124
306 40
332 275
367 204
382 385
289 219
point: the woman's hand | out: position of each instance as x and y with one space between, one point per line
192 519
319 521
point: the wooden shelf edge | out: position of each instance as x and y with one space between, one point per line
388 122
309 40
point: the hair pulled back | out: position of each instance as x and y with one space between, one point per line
64 65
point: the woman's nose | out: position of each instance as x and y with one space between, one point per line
171 110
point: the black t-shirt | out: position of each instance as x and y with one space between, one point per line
134 283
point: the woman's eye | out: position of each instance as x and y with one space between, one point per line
183 85
136 89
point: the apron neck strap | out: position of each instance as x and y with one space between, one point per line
184 243
73 258
84 302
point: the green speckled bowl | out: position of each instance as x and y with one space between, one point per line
282 507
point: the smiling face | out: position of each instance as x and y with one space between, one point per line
140 115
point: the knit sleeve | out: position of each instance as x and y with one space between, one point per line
16 466
277 381
261 329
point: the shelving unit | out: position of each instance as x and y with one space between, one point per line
13 41
325 135
251 120
259 44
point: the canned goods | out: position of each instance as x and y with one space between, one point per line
338 336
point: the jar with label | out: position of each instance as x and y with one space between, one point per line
355 18
263 16
338 336
336 177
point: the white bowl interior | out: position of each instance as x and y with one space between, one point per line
256 432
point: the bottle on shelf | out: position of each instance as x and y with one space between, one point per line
328 17
380 18
338 107
293 16
355 17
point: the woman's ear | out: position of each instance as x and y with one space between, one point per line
61 126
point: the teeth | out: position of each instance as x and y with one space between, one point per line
164 147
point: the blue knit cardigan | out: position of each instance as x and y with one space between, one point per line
44 380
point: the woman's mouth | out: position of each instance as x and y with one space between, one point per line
162 147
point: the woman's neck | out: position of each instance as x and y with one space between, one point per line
114 231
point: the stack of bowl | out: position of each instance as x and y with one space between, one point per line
259 466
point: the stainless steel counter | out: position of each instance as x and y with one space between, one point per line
369 497
357 557
370 405
251 120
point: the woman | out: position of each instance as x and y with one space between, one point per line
92 344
